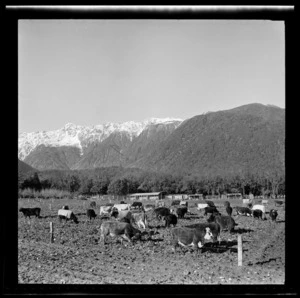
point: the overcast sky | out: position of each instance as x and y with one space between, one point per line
89 72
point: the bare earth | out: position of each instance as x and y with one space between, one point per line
77 257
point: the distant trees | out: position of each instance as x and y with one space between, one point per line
118 181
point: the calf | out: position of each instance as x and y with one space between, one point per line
65 207
118 229
210 210
243 211
91 213
67 214
190 237
28 212
273 214
257 214
225 222
170 219
161 212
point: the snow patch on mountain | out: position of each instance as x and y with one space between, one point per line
82 136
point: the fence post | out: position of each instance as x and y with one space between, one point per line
50 207
240 250
51 231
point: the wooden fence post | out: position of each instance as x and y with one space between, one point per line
51 231
240 250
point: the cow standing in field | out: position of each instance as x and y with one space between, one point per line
105 210
119 229
180 211
225 222
210 203
190 237
260 207
243 211
210 210
67 215
161 212
214 227
136 205
170 219
28 212
257 214
273 214
121 207
91 213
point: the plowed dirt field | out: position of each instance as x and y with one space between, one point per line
77 257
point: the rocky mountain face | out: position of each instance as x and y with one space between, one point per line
246 139
79 147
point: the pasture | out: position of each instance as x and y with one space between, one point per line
77 257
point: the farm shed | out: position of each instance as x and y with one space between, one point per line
196 196
147 196
234 195
177 197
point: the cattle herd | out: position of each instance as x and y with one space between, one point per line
125 221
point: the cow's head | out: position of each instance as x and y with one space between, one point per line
208 234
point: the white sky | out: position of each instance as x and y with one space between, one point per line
90 72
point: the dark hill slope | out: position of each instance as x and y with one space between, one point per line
245 139
24 168
59 158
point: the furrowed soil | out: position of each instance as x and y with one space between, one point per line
77 257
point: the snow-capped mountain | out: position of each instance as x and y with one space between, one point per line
72 135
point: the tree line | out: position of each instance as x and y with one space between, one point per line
120 181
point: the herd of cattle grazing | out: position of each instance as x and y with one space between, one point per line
125 221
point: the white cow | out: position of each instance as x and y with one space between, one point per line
121 207
105 210
260 207
201 206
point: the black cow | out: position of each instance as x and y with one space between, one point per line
170 219
243 211
93 204
175 203
273 214
181 211
28 212
137 205
257 214
210 203
210 210
226 203
161 212
225 222
229 210
91 213
194 237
